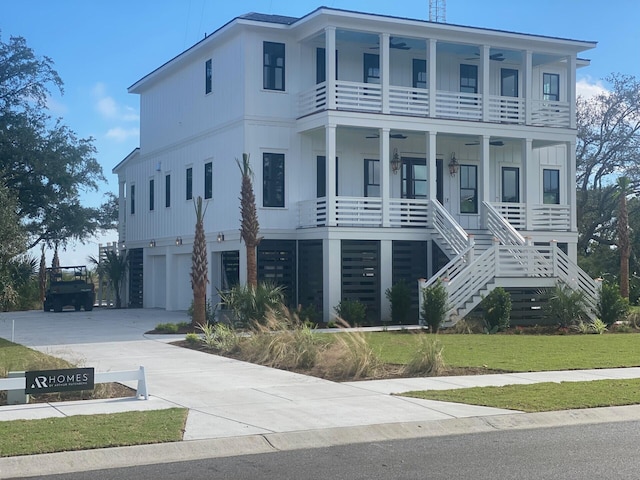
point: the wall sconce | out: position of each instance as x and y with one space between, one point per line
122 245
178 241
220 237
453 165
395 161
152 243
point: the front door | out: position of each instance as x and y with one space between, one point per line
414 177
510 184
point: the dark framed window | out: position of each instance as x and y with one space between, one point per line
551 87
132 199
468 189
273 180
208 180
189 185
508 82
511 184
414 178
208 75
152 194
321 176
273 66
551 186
419 73
371 178
371 68
321 65
468 78
167 190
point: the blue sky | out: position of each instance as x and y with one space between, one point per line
100 48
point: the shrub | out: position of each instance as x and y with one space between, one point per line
308 314
611 305
250 305
434 305
566 306
598 326
167 327
192 338
351 311
427 360
400 298
219 337
497 309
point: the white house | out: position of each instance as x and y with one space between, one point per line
383 149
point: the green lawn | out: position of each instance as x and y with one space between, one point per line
15 357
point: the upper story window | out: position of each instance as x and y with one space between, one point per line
189 185
208 76
371 68
167 190
419 73
551 87
468 189
551 186
152 192
208 180
273 66
468 78
508 82
132 199
273 180
371 178
321 65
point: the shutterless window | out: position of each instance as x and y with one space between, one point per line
273 66
468 189
468 78
132 199
508 82
551 87
419 73
189 185
167 191
152 197
321 65
273 180
371 178
208 75
551 186
371 68
510 184
208 180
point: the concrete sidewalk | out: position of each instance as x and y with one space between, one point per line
249 406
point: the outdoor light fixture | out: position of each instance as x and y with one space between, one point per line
453 165
395 161
178 241
152 243
122 245
220 237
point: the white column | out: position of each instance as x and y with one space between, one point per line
169 278
571 89
485 168
242 263
122 212
431 164
530 177
331 276
485 70
330 169
528 83
571 184
385 175
431 72
330 65
386 277
384 71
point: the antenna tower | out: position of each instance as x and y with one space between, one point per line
438 11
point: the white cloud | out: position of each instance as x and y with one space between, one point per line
588 88
120 134
109 108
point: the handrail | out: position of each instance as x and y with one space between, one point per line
446 226
501 228
452 269
576 278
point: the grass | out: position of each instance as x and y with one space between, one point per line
543 397
81 432
15 357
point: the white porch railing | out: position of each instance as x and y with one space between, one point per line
312 213
359 211
550 114
404 212
408 101
541 216
365 97
506 109
313 99
466 106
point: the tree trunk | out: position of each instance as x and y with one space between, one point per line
252 266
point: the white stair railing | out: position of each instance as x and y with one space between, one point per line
448 231
501 228
576 278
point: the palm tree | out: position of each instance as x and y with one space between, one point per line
249 226
114 266
199 268
624 243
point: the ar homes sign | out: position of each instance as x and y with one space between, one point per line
46 381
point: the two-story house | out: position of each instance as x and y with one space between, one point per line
383 149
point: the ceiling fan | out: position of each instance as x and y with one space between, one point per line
494 143
498 57
398 45
393 135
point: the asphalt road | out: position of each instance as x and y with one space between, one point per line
608 451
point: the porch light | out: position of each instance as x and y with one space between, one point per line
152 243
395 161
178 241
453 165
220 237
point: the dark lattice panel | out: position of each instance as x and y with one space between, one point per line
361 275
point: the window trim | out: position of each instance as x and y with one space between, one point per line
270 66
132 198
546 192
464 86
208 77
189 183
466 187
369 164
503 170
167 190
208 180
152 194
545 95
419 65
273 182
505 73
368 63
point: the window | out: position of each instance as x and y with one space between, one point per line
189 185
208 180
321 65
167 191
468 78
468 189
419 73
133 199
371 68
508 82
510 185
551 186
321 176
371 178
273 180
551 87
414 178
207 76
152 194
273 66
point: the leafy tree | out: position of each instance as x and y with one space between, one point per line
435 305
611 305
400 298
113 265
497 309
249 226
624 243
199 268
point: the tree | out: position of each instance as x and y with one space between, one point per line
114 266
249 226
199 268
624 243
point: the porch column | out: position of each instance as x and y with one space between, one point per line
485 68
485 167
122 211
330 65
331 276
385 176
169 278
330 169
431 70
431 164
531 176
242 264
571 185
384 71
571 89
386 277
528 90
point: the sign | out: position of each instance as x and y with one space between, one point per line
45 381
